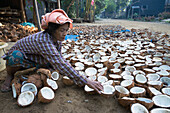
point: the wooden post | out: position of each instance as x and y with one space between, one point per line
77 9
37 14
58 3
132 13
23 11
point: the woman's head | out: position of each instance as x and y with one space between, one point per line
57 16
57 31
56 24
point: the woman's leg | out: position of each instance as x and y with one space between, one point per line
6 86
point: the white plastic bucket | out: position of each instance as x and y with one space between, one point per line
2 62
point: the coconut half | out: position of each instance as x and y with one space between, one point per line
91 71
108 90
138 108
156 84
109 82
45 95
137 92
29 87
102 79
67 81
25 98
147 70
125 73
140 78
16 89
165 67
163 73
55 75
165 80
127 84
162 101
130 69
99 65
153 91
115 71
153 77
115 77
126 101
148 103
51 83
166 91
89 90
160 110
121 91
138 72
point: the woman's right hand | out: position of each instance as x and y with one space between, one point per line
95 85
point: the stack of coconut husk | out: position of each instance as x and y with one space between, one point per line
13 32
29 83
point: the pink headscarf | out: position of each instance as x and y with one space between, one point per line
57 16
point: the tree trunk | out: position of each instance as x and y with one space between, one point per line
70 5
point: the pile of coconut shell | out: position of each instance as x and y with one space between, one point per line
132 66
13 32
31 83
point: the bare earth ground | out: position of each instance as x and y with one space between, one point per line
73 99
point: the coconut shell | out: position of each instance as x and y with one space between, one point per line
126 102
120 94
162 101
44 71
105 94
67 81
139 108
148 103
25 95
24 72
134 95
156 86
116 82
16 89
89 90
43 99
47 84
35 79
128 86
152 92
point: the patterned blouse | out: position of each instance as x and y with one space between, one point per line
40 49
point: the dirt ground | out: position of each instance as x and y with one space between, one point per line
73 99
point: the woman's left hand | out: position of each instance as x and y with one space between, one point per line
95 85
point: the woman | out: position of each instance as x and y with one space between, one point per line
44 49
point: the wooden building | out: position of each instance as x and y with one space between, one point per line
12 11
145 8
167 5
15 10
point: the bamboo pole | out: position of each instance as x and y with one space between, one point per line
22 11
37 14
58 3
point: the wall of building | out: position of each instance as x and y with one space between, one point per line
151 7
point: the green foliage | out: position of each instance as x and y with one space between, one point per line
110 6
164 15
100 5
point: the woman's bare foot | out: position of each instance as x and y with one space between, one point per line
6 86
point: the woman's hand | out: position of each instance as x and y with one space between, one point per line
95 85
